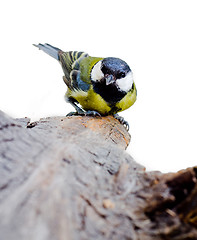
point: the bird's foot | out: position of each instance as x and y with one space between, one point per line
78 112
84 113
71 114
92 113
122 121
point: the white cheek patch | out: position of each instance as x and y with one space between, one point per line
96 73
125 83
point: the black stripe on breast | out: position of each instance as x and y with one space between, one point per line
110 93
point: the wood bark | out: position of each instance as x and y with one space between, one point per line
65 178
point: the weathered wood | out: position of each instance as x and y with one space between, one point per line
71 178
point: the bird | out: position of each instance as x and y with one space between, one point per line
101 86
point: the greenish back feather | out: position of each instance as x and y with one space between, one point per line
86 66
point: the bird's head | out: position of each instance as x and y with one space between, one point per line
113 71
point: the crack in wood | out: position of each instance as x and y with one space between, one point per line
93 207
2 127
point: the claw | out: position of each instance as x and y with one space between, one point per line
122 121
82 113
71 114
92 113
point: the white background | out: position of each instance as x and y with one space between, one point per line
158 39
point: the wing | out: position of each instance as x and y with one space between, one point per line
68 59
70 62
77 68
75 83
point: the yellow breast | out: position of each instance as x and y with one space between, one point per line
127 101
92 101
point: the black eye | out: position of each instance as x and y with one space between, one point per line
121 75
104 69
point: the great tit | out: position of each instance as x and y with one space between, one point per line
102 86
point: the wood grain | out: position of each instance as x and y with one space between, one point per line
71 178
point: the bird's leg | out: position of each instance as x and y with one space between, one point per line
122 121
80 111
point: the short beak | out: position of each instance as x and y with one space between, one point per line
109 79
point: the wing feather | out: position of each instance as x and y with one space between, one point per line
68 59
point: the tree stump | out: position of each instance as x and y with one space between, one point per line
65 178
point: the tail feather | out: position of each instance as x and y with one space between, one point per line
49 49
68 60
